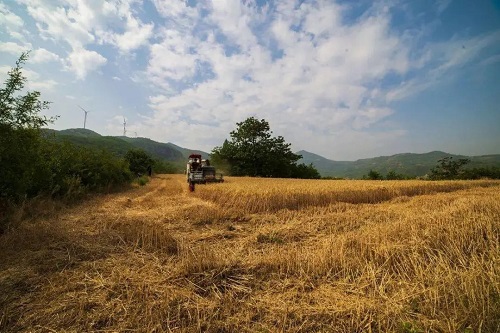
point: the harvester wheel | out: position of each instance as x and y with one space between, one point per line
191 187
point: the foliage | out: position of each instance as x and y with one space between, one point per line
253 151
21 166
31 165
305 171
393 175
478 173
166 158
142 180
17 110
408 164
373 175
20 142
94 169
139 161
162 166
448 168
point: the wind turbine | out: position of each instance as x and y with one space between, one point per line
135 134
85 120
124 127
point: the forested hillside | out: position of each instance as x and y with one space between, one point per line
407 164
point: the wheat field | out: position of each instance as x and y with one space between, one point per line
259 255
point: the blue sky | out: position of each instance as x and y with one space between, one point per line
343 79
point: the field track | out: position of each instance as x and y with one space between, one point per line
259 255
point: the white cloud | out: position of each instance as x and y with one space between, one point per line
321 83
120 14
58 23
137 34
14 48
82 61
34 82
78 23
12 23
42 55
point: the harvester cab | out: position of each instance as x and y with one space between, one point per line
199 171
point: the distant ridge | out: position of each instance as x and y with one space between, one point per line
410 164
121 144
186 152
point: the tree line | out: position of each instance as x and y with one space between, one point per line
446 169
32 164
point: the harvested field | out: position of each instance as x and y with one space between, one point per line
260 255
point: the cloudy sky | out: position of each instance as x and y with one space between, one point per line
343 79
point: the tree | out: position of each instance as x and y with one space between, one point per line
253 151
393 175
491 172
373 175
139 161
447 168
305 171
21 164
17 110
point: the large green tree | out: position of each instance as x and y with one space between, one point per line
139 161
448 168
253 151
20 141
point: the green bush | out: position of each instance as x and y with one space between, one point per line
31 165
143 180
160 166
373 175
94 169
21 166
139 161
478 173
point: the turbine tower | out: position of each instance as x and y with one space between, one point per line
85 119
124 127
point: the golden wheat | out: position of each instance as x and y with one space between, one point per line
260 255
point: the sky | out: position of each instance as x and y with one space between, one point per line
342 79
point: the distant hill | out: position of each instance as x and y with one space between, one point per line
79 132
408 164
186 152
159 149
120 144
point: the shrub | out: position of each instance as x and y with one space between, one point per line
139 161
143 180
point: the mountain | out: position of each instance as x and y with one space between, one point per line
408 164
186 152
120 144
88 138
159 149
79 132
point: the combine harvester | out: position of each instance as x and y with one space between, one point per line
200 171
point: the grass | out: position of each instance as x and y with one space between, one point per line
260 255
